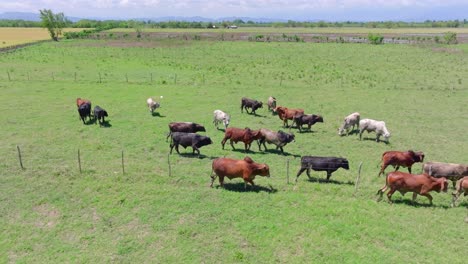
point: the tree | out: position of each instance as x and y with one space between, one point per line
53 22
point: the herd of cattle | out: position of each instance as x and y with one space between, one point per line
433 178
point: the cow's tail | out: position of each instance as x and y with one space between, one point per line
381 191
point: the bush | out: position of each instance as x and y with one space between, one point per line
375 38
450 38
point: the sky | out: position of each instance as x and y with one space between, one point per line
298 10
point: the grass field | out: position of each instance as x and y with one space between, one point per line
49 212
16 36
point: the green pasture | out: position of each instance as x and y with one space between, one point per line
50 212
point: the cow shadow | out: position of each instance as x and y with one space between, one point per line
416 204
105 124
373 139
240 187
306 131
244 151
221 129
195 156
285 153
331 181
157 114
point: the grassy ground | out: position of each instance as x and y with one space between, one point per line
16 36
49 212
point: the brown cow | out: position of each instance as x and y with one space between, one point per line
80 101
238 134
420 184
462 187
246 169
285 113
400 158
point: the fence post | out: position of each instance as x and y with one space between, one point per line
357 178
79 160
169 163
123 166
19 157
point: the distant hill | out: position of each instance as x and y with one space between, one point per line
29 16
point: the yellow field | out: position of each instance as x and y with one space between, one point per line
14 36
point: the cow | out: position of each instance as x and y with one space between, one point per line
221 117
400 158
371 125
245 135
152 104
285 113
308 120
280 138
193 140
246 169
328 164
187 127
451 171
85 111
420 184
349 122
80 101
271 104
461 187
99 114
250 103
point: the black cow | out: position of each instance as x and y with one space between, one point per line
99 114
328 164
280 138
187 127
85 111
308 120
193 140
250 103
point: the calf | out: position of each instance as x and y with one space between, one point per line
99 114
85 111
349 122
187 127
462 187
285 113
193 140
400 158
308 120
271 104
246 169
451 171
371 125
250 103
280 138
221 117
328 164
238 134
420 184
152 105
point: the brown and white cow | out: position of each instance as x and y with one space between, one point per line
271 104
420 184
461 187
451 171
400 158
245 135
285 113
246 169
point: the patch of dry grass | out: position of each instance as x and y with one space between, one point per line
11 36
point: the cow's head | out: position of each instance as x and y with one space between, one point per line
199 127
226 121
205 141
345 164
318 118
263 170
105 113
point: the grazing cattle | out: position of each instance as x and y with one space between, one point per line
152 105
193 140
80 101
99 114
400 158
462 187
238 134
420 184
328 164
371 125
285 113
85 111
280 138
246 169
221 117
451 171
308 120
250 103
271 104
187 127
349 122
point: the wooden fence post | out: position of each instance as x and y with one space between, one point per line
19 157
123 166
357 178
79 160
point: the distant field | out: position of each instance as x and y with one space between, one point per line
343 30
15 36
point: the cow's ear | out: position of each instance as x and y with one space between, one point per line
248 159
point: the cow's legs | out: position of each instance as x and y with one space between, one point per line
224 141
389 195
221 181
397 167
381 191
213 177
329 173
177 148
308 173
301 170
232 144
171 146
409 169
382 169
360 134
414 197
428 197
377 138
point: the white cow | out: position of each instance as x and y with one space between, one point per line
219 116
271 103
370 125
349 122
153 105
